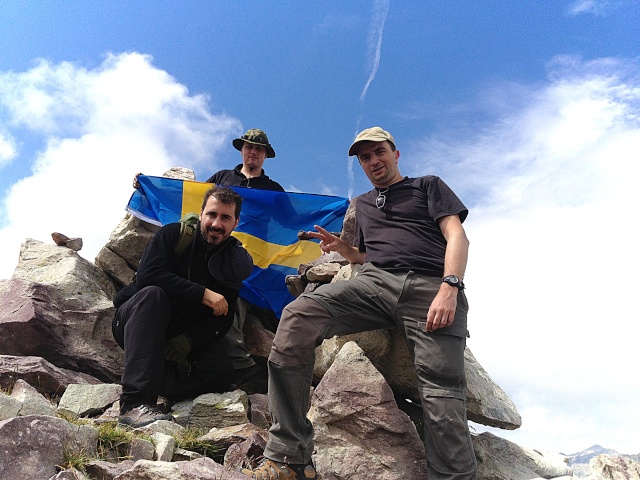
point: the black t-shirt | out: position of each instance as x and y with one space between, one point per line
235 178
404 234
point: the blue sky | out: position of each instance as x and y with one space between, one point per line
530 111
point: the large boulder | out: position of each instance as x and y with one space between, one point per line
33 445
501 459
52 322
121 254
48 379
360 433
487 403
82 283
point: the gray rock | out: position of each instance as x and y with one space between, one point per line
141 449
213 410
88 400
9 407
37 319
120 256
257 338
202 469
499 458
323 272
83 283
45 377
487 403
226 436
612 467
33 445
70 474
357 422
32 402
165 446
103 470
259 410
246 454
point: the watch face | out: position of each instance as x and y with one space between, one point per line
451 279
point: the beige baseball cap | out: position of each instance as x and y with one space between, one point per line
373 134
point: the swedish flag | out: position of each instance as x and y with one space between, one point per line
268 228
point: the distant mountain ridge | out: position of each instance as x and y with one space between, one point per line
584 456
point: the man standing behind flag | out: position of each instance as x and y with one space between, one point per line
170 320
254 147
413 248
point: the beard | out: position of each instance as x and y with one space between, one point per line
215 236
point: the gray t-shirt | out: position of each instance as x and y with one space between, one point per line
404 234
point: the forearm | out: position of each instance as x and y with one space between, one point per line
352 254
456 255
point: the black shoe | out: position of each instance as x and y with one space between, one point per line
143 415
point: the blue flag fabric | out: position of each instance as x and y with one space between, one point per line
268 228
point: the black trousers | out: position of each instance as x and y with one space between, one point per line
140 326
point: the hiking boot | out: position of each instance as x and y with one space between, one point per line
270 470
143 415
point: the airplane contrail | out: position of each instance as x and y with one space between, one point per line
380 10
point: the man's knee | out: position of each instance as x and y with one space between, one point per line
300 330
148 308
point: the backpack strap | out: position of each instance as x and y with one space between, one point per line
188 225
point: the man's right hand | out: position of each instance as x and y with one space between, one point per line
332 243
136 183
215 301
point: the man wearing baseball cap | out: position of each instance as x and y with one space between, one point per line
413 251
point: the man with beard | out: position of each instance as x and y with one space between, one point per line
254 147
170 320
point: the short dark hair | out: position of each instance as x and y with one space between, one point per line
225 195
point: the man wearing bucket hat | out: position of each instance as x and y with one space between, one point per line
170 319
254 147
413 251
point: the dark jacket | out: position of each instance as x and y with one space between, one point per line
235 178
184 278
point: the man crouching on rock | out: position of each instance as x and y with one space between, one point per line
170 320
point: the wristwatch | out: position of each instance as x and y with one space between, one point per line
453 281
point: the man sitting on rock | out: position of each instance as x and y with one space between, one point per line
171 319
409 232
254 147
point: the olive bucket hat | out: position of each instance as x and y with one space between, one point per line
257 137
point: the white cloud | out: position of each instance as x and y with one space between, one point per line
553 258
8 149
594 7
99 127
583 6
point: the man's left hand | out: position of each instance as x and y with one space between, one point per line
177 349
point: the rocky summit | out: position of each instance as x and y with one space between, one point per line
59 391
